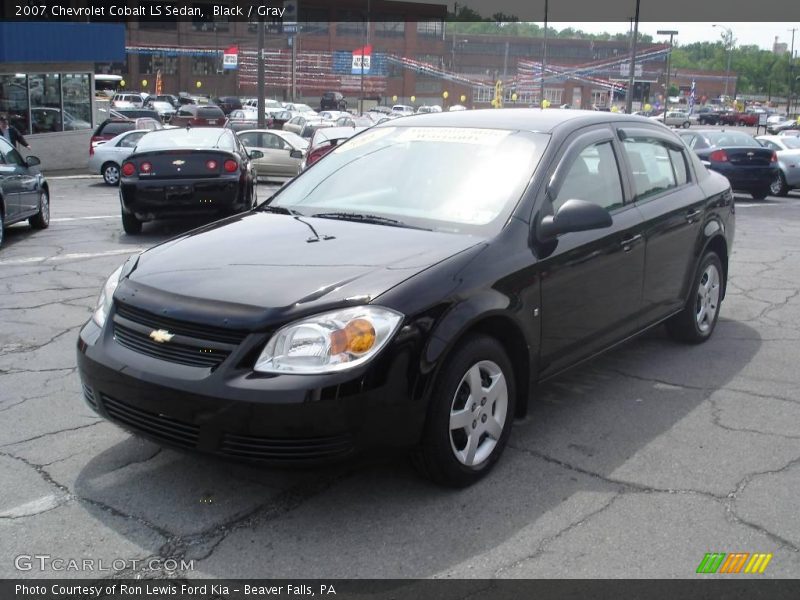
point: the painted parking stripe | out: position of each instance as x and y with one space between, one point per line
64 219
73 256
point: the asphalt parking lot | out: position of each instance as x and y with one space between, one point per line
634 465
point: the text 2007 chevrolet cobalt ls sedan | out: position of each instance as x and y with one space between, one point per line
412 288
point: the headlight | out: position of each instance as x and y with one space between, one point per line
330 342
106 297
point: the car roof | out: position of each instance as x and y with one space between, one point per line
525 119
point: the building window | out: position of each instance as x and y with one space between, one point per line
204 65
390 28
14 100
152 63
206 21
76 90
553 95
482 94
430 28
45 94
314 21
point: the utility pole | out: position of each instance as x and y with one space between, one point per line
629 95
670 33
791 75
544 57
261 118
729 45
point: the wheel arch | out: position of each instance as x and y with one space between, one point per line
717 244
503 328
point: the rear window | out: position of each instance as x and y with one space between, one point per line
731 138
210 112
200 137
114 129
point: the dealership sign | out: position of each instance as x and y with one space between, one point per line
230 59
362 59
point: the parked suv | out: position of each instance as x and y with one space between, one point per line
228 103
198 115
111 128
332 101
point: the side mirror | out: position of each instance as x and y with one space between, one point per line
255 154
32 161
296 153
574 215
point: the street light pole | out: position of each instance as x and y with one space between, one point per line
544 57
629 95
670 33
791 76
729 46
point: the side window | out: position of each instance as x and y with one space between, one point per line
129 141
10 155
249 139
273 141
593 176
679 166
651 166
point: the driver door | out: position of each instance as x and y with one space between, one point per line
23 182
591 281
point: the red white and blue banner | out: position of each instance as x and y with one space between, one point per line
362 60
230 59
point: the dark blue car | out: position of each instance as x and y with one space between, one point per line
748 166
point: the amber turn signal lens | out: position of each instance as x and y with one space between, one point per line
357 337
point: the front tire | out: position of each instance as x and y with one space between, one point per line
131 224
696 322
41 220
471 412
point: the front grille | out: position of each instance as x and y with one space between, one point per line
261 448
184 354
89 395
195 330
158 426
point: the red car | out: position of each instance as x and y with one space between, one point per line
326 139
110 128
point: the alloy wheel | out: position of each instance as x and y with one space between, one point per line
707 298
776 186
478 413
111 174
44 207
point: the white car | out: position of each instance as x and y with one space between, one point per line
127 101
108 156
300 109
283 151
403 110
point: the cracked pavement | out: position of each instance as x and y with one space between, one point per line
633 465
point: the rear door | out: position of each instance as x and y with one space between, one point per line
673 208
9 182
24 181
592 282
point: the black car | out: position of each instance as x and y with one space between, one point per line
411 289
199 115
749 167
228 103
180 172
24 193
332 101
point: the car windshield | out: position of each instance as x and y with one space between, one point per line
731 138
303 108
168 139
463 180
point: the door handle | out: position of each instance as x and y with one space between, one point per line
690 216
627 242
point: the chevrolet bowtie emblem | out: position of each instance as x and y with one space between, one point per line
178 162
161 335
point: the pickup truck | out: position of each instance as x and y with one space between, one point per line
707 116
749 119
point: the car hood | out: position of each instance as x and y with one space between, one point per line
258 268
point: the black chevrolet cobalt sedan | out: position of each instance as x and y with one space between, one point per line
186 172
410 290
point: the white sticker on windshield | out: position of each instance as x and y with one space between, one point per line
364 138
459 135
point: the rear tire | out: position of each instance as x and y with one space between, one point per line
41 220
686 124
2 225
696 322
779 187
470 416
111 173
131 224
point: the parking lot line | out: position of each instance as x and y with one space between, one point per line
63 219
72 256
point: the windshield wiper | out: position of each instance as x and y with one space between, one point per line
374 219
281 210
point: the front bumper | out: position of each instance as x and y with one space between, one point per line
237 413
152 199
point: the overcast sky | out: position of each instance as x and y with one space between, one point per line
759 34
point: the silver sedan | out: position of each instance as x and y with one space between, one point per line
108 157
283 151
